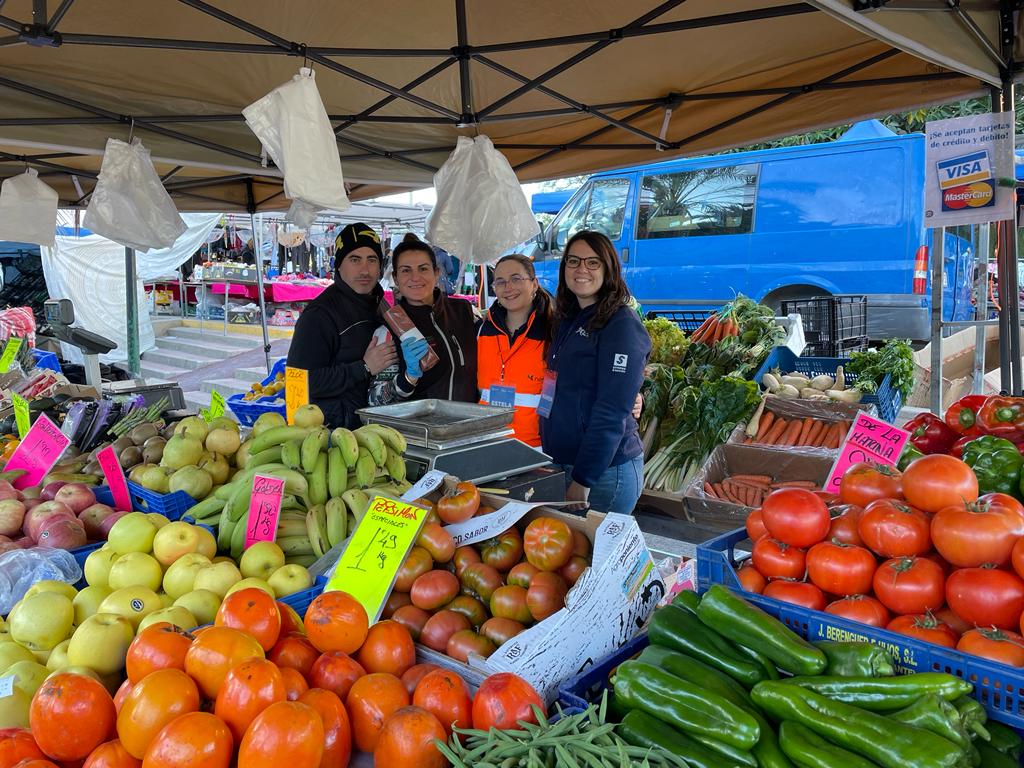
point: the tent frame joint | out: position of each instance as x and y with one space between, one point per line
39 36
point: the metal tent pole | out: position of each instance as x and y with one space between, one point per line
938 262
257 237
132 302
981 306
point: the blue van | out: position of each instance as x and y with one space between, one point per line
844 217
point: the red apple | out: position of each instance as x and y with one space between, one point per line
12 517
37 516
92 517
8 491
49 492
108 522
32 492
78 496
62 534
31 503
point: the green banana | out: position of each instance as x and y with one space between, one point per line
288 501
293 546
372 442
394 439
304 560
337 519
291 454
315 442
291 527
337 472
344 439
238 505
270 456
366 468
244 477
277 436
208 507
238 539
317 480
357 503
316 526
224 531
396 466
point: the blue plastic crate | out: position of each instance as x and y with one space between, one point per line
46 360
247 411
170 505
999 687
887 399
577 692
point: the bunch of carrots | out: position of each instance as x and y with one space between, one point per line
809 432
751 490
715 328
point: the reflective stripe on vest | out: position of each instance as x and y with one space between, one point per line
525 401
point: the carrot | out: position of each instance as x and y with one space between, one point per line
798 484
708 489
835 438
815 433
752 478
719 491
765 423
729 493
701 329
775 432
714 331
805 427
708 336
789 436
749 484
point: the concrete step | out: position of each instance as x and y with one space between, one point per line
251 374
178 359
226 387
153 370
243 341
205 347
199 400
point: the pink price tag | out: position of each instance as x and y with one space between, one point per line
112 470
869 439
264 509
37 453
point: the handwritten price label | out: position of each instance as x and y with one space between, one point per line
264 509
296 390
10 352
38 452
114 474
868 440
216 409
21 416
376 551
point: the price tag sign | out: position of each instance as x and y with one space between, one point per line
216 409
40 449
377 549
869 439
264 509
296 390
21 416
10 352
114 474
426 485
6 686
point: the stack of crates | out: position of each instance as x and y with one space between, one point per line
834 326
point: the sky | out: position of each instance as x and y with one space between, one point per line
429 196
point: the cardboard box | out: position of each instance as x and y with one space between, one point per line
957 368
731 459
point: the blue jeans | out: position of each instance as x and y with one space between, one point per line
618 488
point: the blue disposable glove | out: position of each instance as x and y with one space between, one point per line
413 350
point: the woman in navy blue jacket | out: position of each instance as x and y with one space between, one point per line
595 368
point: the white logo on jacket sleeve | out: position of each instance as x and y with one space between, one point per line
619 363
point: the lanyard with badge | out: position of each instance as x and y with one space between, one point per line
502 394
547 390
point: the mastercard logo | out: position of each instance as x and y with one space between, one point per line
976 195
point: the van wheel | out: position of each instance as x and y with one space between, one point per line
791 293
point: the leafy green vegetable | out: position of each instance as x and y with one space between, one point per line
895 358
668 342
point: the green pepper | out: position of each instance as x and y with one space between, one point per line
1005 739
642 730
877 737
884 694
680 630
770 671
935 715
767 750
993 758
733 617
856 659
972 715
808 750
974 756
997 464
684 705
909 456
688 600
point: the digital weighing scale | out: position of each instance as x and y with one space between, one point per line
467 440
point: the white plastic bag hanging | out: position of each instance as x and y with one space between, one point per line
28 210
130 205
481 210
293 127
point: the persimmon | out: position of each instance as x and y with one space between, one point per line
290 619
252 611
111 755
337 729
294 651
388 648
158 646
192 740
17 744
284 734
70 716
215 652
407 740
154 701
294 683
372 699
445 695
248 689
336 621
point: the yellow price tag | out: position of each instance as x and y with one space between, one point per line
296 390
216 409
21 414
10 352
380 544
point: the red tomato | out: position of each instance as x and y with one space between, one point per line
893 529
545 596
1017 557
947 616
797 593
442 625
750 578
469 607
500 631
937 481
464 556
437 541
510 603
479 580
986 597
866 610
416 563
503 700
866 482
466 642
503 551
970 534
998 645
412 618
925 627
434 589
755 525
795 516
844 527
775 560
910 585
459 504
840 569
548 543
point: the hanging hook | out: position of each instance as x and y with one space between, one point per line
131 129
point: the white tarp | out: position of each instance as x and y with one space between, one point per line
90 271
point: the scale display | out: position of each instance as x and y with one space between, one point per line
477 463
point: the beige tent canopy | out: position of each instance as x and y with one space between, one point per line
561 88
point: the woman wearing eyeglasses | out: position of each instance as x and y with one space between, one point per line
512 342
595 366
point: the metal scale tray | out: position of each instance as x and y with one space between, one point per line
426 422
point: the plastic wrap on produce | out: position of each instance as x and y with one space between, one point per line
827 412
21 568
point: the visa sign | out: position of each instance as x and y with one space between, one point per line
957 171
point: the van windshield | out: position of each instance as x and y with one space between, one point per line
705 201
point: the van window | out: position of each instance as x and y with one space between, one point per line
601 207
705 201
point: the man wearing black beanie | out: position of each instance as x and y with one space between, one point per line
334 335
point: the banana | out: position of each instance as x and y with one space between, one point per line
238 540
244 477
344 439
291 454
294 546
238 505
294 484
288 501
337 472
315 442
396 466
224 531
317 480
394 439
366 468
351 521
384 454
304 560
313 529
291 527
208 507
372 442
357 503
270 456
337 517
277 436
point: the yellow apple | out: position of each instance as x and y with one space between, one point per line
14 709
59 656
261 560
166 601
136 569
178 615
133 603
11 652
101 643
180 577
222 559
98 565
42 621
207 542
52 585
174 540
252 583
308 415
217 577
43 655
28 675
87 602
158 520
69 669
289 579
132 533
201 603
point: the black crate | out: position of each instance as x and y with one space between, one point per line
688 320
833 325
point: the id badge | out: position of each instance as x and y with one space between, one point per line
547 394
503 396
